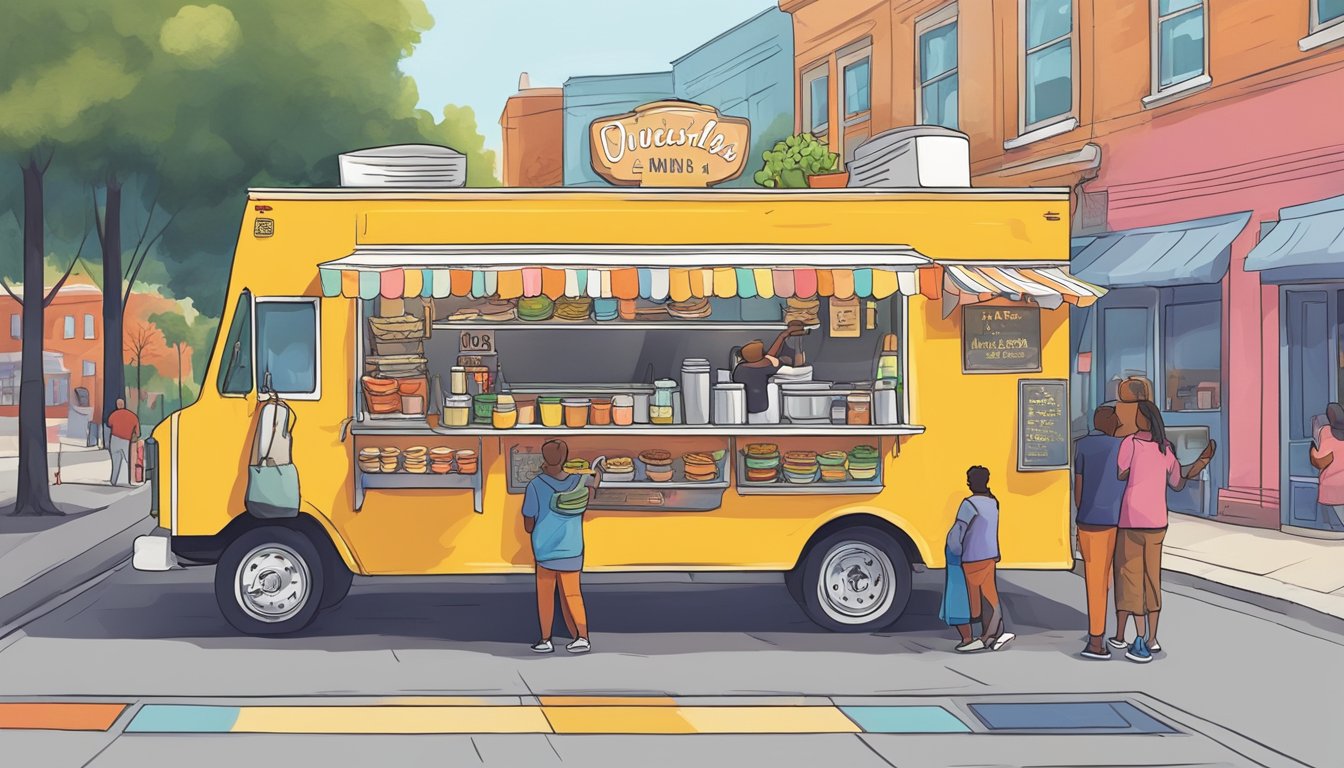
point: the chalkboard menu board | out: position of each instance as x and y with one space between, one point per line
1042 424
1001 339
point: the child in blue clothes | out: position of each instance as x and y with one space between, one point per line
956 608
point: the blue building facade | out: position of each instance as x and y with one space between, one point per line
589 97
744 72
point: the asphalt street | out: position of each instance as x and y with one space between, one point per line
1243 685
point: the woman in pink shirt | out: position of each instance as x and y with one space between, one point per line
1147 463
1327 456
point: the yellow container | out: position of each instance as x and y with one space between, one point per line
552 412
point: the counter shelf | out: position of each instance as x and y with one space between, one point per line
402 480
782 487
678 480
607 325
375 425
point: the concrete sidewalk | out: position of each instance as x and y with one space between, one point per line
1301 571
42 557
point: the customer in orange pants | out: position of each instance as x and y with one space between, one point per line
1097 492
555 523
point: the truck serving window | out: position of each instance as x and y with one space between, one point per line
287 348
235 372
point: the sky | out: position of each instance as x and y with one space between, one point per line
477 48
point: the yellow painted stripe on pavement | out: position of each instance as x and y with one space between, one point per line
607 701
394 720
706 719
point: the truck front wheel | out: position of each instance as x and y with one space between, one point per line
270 581
856 580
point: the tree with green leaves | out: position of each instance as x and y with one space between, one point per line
177 336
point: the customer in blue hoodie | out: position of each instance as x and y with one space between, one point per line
557 546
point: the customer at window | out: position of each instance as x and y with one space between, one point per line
1097 492
1327 456
557 546
1147 463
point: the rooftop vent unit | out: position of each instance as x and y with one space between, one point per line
914 156
404 165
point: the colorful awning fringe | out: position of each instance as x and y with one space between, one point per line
630 283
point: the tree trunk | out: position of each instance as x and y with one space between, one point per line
179 375
114 369
34 493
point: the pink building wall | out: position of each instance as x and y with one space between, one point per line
1237 154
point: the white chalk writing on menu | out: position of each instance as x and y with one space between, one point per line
1043 428
1001 338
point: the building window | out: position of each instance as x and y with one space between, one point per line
88 327
937 67
1047 82
1127 339
288 357
69 326
16 326
858 78
1192 355
1178 42
90 369
1326 13
816 101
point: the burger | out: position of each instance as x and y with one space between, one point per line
700 467
577 466
619 464
657 465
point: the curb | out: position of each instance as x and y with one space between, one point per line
99 557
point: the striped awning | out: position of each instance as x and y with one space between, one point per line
625 273
1048 284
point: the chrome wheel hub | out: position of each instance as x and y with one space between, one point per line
857 582
273 583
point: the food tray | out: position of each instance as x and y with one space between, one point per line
640 479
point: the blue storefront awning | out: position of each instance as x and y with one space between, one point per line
1186 253
1307 243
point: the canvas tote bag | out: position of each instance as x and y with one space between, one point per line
273 488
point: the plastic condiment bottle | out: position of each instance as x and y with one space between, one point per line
458 380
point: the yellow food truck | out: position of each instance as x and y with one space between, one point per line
413 350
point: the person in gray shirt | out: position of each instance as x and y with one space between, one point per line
978 516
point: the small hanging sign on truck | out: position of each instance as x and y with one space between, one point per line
670 144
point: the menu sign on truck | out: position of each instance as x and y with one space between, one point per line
670 144
1001 339
1042 424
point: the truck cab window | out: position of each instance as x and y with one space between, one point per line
287 349
235 372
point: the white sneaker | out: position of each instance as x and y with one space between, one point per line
971 647
1002 640
543 646
579 646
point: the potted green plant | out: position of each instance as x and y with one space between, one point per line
798 162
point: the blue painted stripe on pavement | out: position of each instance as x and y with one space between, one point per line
1076 716
912 719
183 718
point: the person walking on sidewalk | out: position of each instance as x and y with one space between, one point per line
557 545
1327 456
1148 465
1097 492
125 430
978 515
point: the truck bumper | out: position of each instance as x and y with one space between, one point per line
154 552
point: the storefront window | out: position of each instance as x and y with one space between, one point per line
1127 335
1339 355
1192 356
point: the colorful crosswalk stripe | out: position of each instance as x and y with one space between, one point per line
183 718
59 716
905 719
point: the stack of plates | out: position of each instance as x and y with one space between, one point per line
700 467
762 461
573 310
440 460
657 465
499 310
804 310
618 469
691 309
832 465
466 462
606 309
800 466
863 462
368 460
388 458
535 309
415 459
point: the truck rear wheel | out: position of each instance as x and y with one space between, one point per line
856 580
270 581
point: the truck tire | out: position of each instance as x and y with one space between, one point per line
338 581
856 580
270 581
